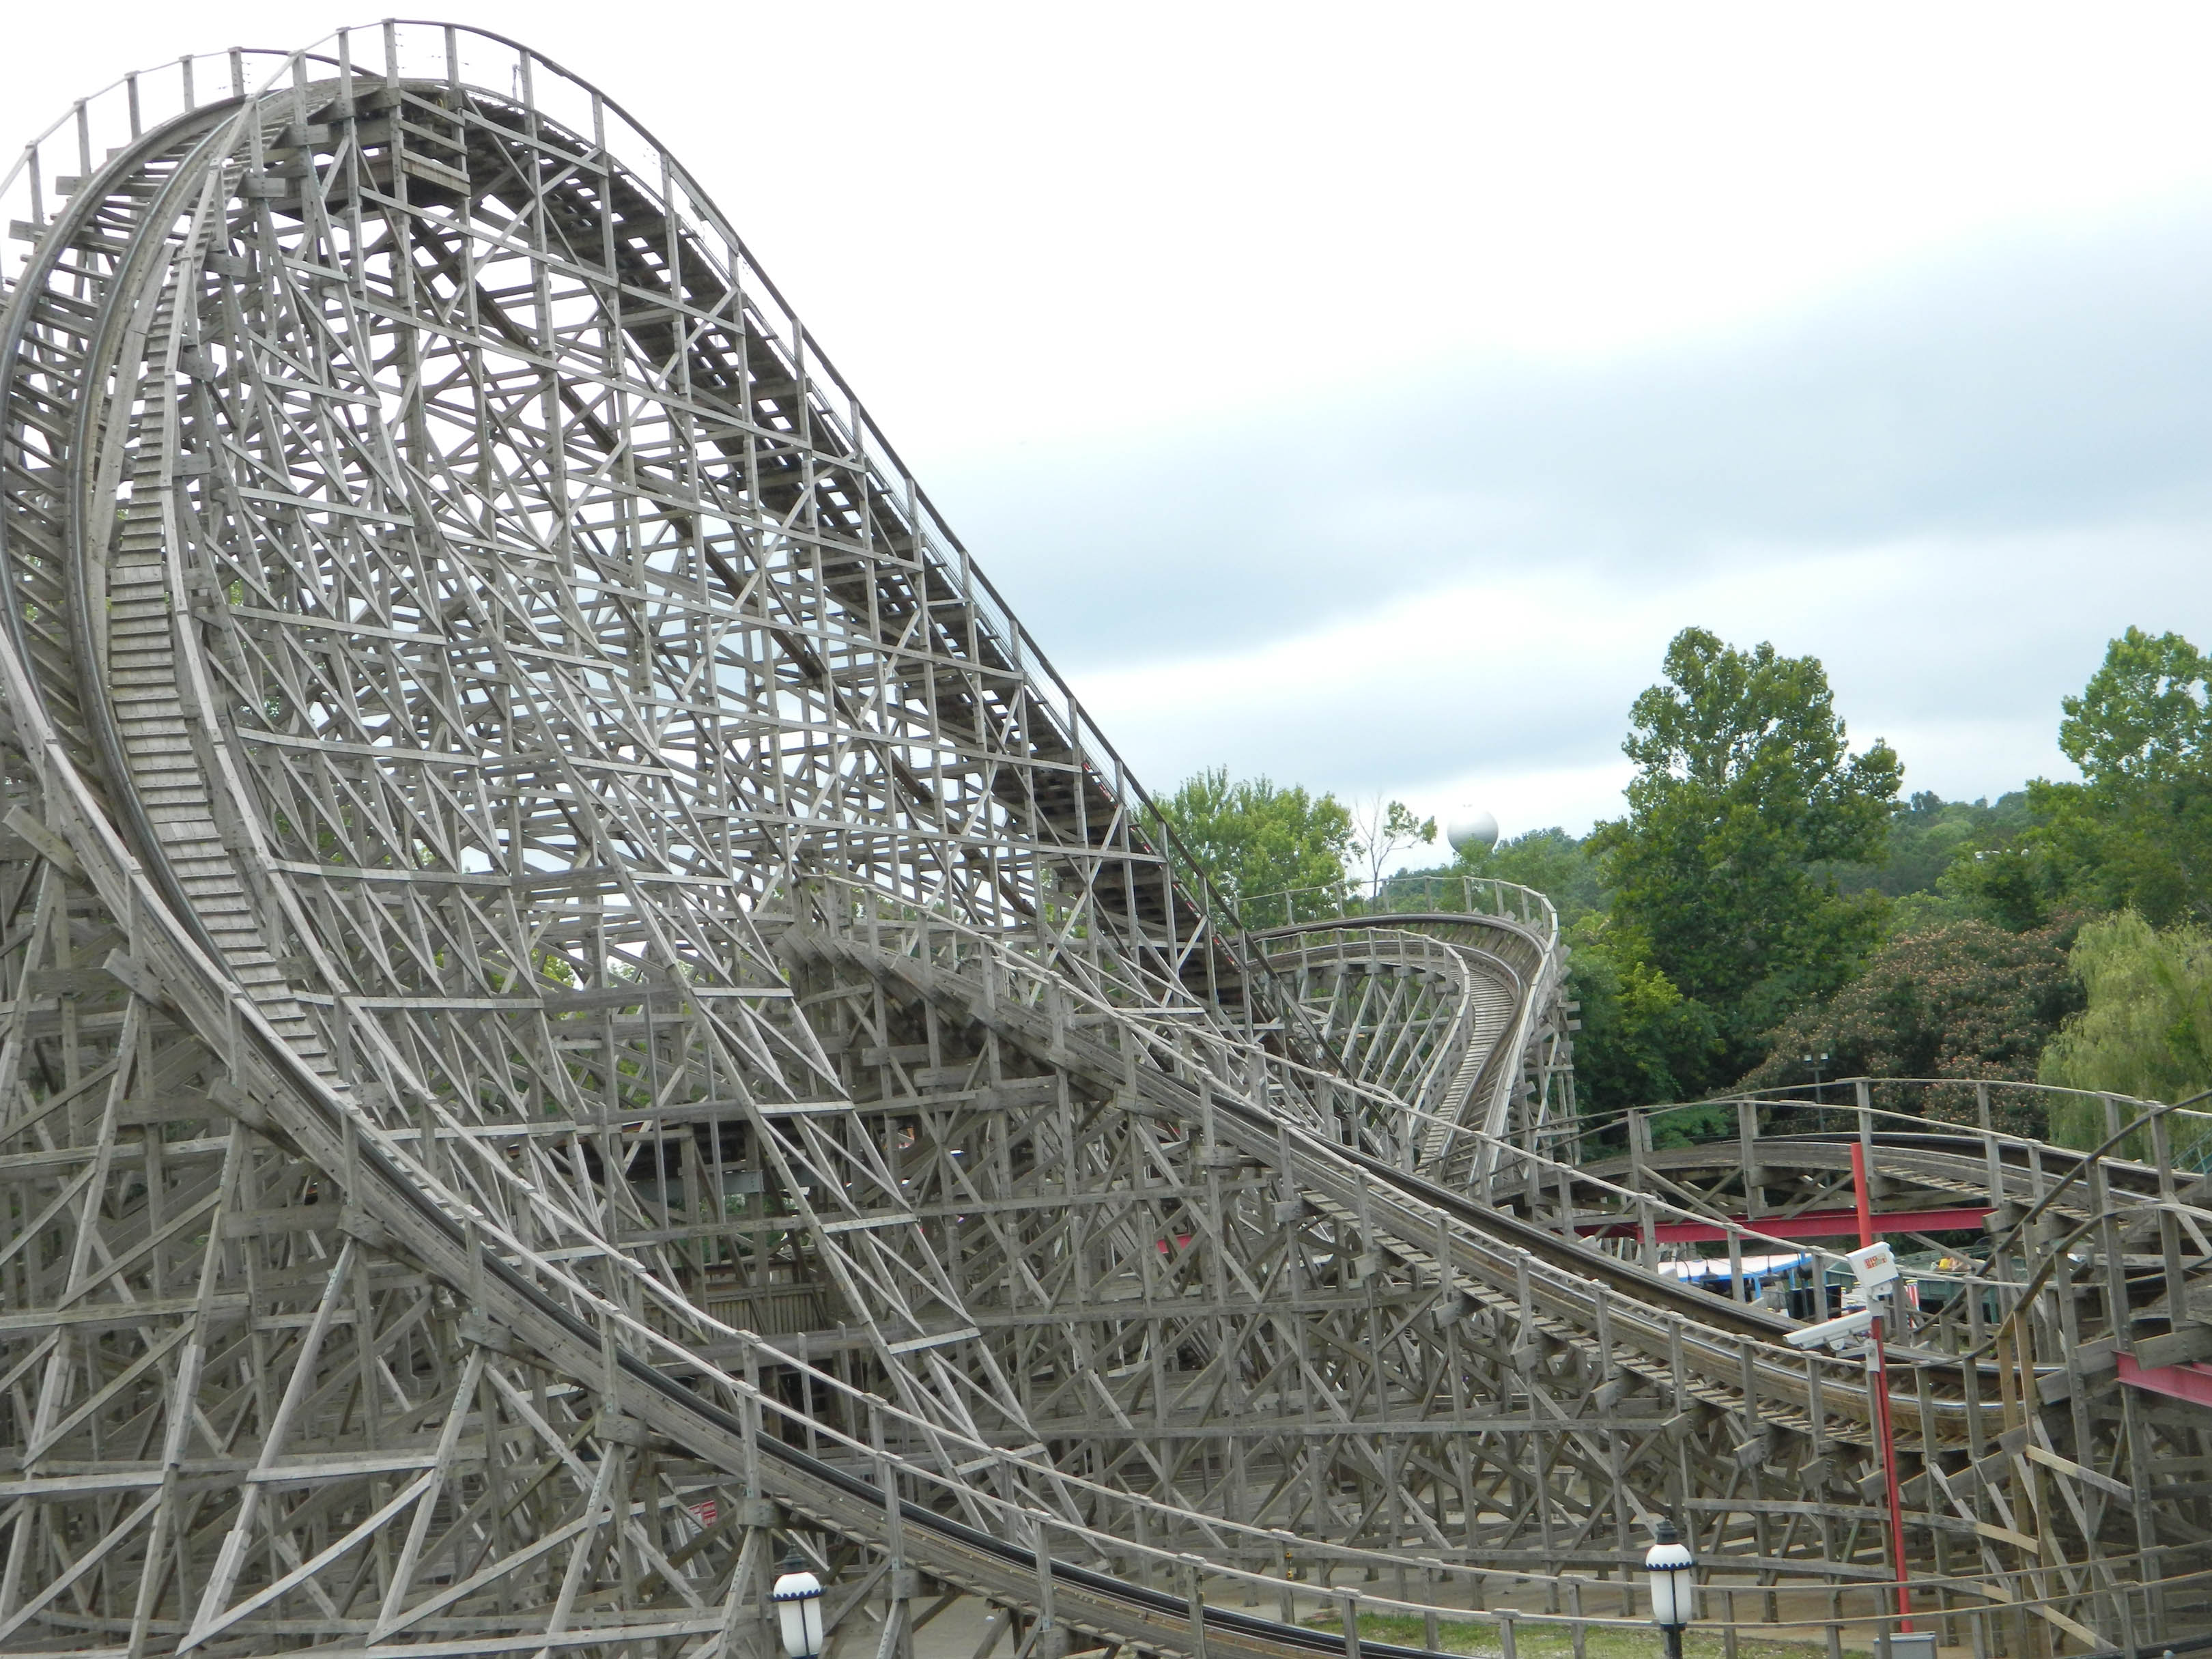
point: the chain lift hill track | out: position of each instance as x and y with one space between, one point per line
581 1007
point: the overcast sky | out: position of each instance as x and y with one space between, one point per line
1365 394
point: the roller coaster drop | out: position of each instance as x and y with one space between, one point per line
582 1007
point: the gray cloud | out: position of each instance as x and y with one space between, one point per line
2047 382
1955 647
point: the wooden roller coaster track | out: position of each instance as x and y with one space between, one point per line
581 1007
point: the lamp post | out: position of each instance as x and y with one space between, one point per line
1819 1063
797 1597
1673 1571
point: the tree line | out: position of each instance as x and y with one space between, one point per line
1768 907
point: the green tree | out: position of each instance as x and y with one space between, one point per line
1963 1000
1384 828
1257 842
1927 838
2146 1028
1925 833
1642 1041
1744 800
1552 861
2137 831
2009 885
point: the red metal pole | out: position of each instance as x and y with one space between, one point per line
1885 1434
1888 1435
1859 1191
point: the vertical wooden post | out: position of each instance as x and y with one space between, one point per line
1746 1138
1863 1098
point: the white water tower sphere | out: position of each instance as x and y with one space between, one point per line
1470 826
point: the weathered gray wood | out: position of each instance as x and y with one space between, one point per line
582 1007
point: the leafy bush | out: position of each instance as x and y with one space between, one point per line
1966 1000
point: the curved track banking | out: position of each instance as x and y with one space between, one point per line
581 1005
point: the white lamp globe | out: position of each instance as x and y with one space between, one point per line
797 1598
1672 1572
1471 826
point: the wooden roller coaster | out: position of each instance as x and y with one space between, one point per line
581 1008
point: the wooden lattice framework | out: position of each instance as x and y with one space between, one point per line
581 1005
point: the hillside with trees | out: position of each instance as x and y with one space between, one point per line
1766 898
